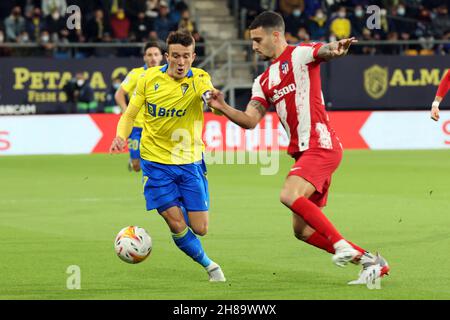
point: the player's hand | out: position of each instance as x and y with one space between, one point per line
117 145
342 46
217 100
435 113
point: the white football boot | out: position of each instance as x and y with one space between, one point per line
372 273
215 273
344 253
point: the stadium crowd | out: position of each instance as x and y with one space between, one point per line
328 20
124 21
106 21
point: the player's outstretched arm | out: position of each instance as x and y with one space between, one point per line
335 49
247 120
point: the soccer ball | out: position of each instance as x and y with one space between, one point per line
133 244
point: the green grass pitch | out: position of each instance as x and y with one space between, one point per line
57 211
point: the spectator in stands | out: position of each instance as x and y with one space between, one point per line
97 27
151 8
365 49
398 23
14 25
177 7
84 95
311 7
441 22
120 25
341 26
294 22
142 26
56 25
164 24
47 47
110 105
358 20
287 7
252 8
35 25
317 26
303 35
186 23
49 6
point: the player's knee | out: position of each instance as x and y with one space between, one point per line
200 230
302 235
287 197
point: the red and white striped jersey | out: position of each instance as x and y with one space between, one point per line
292 84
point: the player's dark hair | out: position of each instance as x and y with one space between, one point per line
153 44
182 37
268 20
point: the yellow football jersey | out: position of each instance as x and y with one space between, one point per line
173 115
129 85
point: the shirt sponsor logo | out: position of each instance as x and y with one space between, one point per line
154 111
278 94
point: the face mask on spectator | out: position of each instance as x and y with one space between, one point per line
341 14
116 85
55 15
401 11
80 82
297 12
2 37
319 15
45 38
25 38
359 13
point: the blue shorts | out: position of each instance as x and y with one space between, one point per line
167 185
134 141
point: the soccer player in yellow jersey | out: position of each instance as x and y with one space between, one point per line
173 97
153 56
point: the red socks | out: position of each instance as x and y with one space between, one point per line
316 219
319 241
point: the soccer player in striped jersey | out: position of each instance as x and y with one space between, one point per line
442 90
175 177
153 56
292 83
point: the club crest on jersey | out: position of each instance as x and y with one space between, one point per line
156 86
184 88
285 67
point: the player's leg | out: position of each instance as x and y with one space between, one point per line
310 176
183 236
195 195
199 222
304 232
134 141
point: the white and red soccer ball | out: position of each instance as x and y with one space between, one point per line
133 244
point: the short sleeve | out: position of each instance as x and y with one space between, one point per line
138 96
258 93
204 83
129 83
306 53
